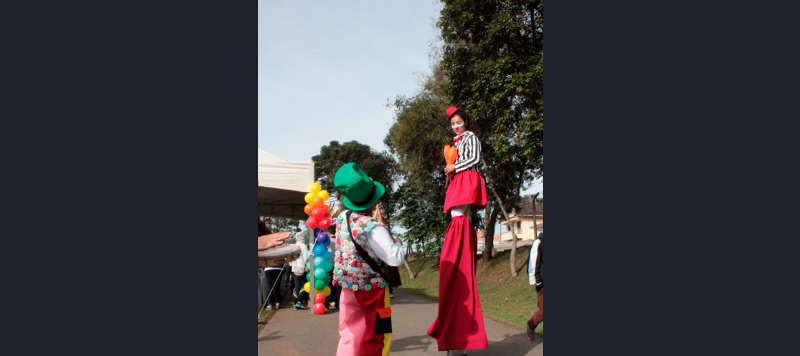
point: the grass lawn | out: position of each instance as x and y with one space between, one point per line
510 300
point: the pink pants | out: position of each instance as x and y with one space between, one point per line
364 323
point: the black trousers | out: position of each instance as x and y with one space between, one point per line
299 293
274 285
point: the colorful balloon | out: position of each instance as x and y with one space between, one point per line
327 265
319 298
319 308
319 273
319 284
322 237
324 222
317 202
318 261
309 197
318 213
324 195
311 222
315 188
326 291
308 209
307 287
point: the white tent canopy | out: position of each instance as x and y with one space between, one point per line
282 185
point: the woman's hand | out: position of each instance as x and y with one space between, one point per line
450 168
269 241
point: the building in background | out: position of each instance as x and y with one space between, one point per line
522 221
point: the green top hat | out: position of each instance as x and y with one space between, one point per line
359 192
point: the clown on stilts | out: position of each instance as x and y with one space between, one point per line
365 326
459 324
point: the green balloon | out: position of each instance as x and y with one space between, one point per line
319 284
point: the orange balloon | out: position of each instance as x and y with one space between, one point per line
308 209
317 201
453 155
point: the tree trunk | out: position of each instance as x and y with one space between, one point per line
488 231
410 272
513 233
533 204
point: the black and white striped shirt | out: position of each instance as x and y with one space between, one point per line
469 152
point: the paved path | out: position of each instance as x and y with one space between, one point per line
299 333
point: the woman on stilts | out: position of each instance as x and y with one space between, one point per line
459 325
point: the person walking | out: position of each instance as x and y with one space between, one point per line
535 263
459 324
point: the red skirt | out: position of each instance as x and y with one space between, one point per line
466 187
459 325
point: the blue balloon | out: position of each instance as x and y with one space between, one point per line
318 249
325 255
327 265
321 235
318 261
319 272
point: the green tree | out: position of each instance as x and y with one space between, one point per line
417 138
379 166
493 58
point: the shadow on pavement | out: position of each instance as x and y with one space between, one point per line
516 344
422 343
270 336
401 298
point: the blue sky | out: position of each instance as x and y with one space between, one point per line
327 69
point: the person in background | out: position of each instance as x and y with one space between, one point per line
535 263
365 324
299 269
273 274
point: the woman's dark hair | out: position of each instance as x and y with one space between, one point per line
467 119
262 228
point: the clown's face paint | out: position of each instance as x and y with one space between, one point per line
458 124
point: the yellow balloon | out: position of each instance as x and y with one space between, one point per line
323 194
309 197
326 291
307 287
315 188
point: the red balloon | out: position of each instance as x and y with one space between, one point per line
308 209
324 223
319 308
319 298
312 223
318 213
